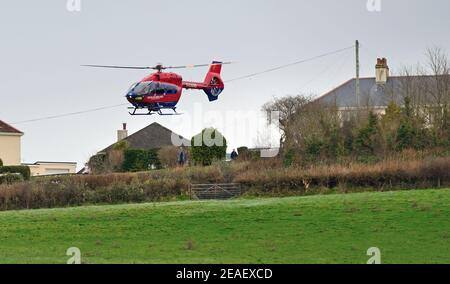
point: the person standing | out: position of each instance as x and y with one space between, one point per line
181 156
234 155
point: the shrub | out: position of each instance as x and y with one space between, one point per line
366 138
109 161
207 146
10 178
23 170
288 158
115 160
244 153
97 163
406 134
168 156
382 175
313 149
140 160
50 192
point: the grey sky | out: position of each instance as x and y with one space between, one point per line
42 46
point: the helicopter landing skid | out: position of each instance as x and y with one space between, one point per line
152 112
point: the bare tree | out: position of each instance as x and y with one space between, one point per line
287 107
304 121
427 86
439 68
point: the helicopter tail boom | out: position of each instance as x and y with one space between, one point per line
213 84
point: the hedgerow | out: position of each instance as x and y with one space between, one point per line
264 177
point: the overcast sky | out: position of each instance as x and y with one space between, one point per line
43 44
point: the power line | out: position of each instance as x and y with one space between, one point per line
290 64
339 69
327 69
69 114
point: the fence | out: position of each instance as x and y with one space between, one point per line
215 191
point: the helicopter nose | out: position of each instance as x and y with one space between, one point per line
132 97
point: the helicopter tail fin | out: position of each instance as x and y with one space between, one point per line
214 82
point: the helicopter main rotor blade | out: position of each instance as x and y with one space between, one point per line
120 67
198 65
158 67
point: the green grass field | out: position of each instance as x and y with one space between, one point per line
407 226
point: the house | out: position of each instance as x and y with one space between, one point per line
154 136
52 168
377 92
10 144
10 153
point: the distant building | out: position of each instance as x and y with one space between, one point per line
154 136
377 92
10 144
52 168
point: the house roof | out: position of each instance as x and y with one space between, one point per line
372 94
50 163
153 136
6 128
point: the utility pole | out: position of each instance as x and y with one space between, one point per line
358 89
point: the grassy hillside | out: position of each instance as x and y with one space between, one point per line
408 227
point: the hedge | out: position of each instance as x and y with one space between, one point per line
51 192
262 177
10 178
23 170
382 175
136 160
204 154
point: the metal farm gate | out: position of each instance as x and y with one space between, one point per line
215 191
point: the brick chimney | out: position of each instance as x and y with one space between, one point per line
123 133
382 71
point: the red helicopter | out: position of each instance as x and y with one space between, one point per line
162 90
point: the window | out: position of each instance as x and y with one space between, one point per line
170 89
132 87
153 89
143 88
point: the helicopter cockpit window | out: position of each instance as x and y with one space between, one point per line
132 87
143 88
154 89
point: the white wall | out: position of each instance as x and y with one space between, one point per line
10 149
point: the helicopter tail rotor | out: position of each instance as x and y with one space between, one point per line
214 82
